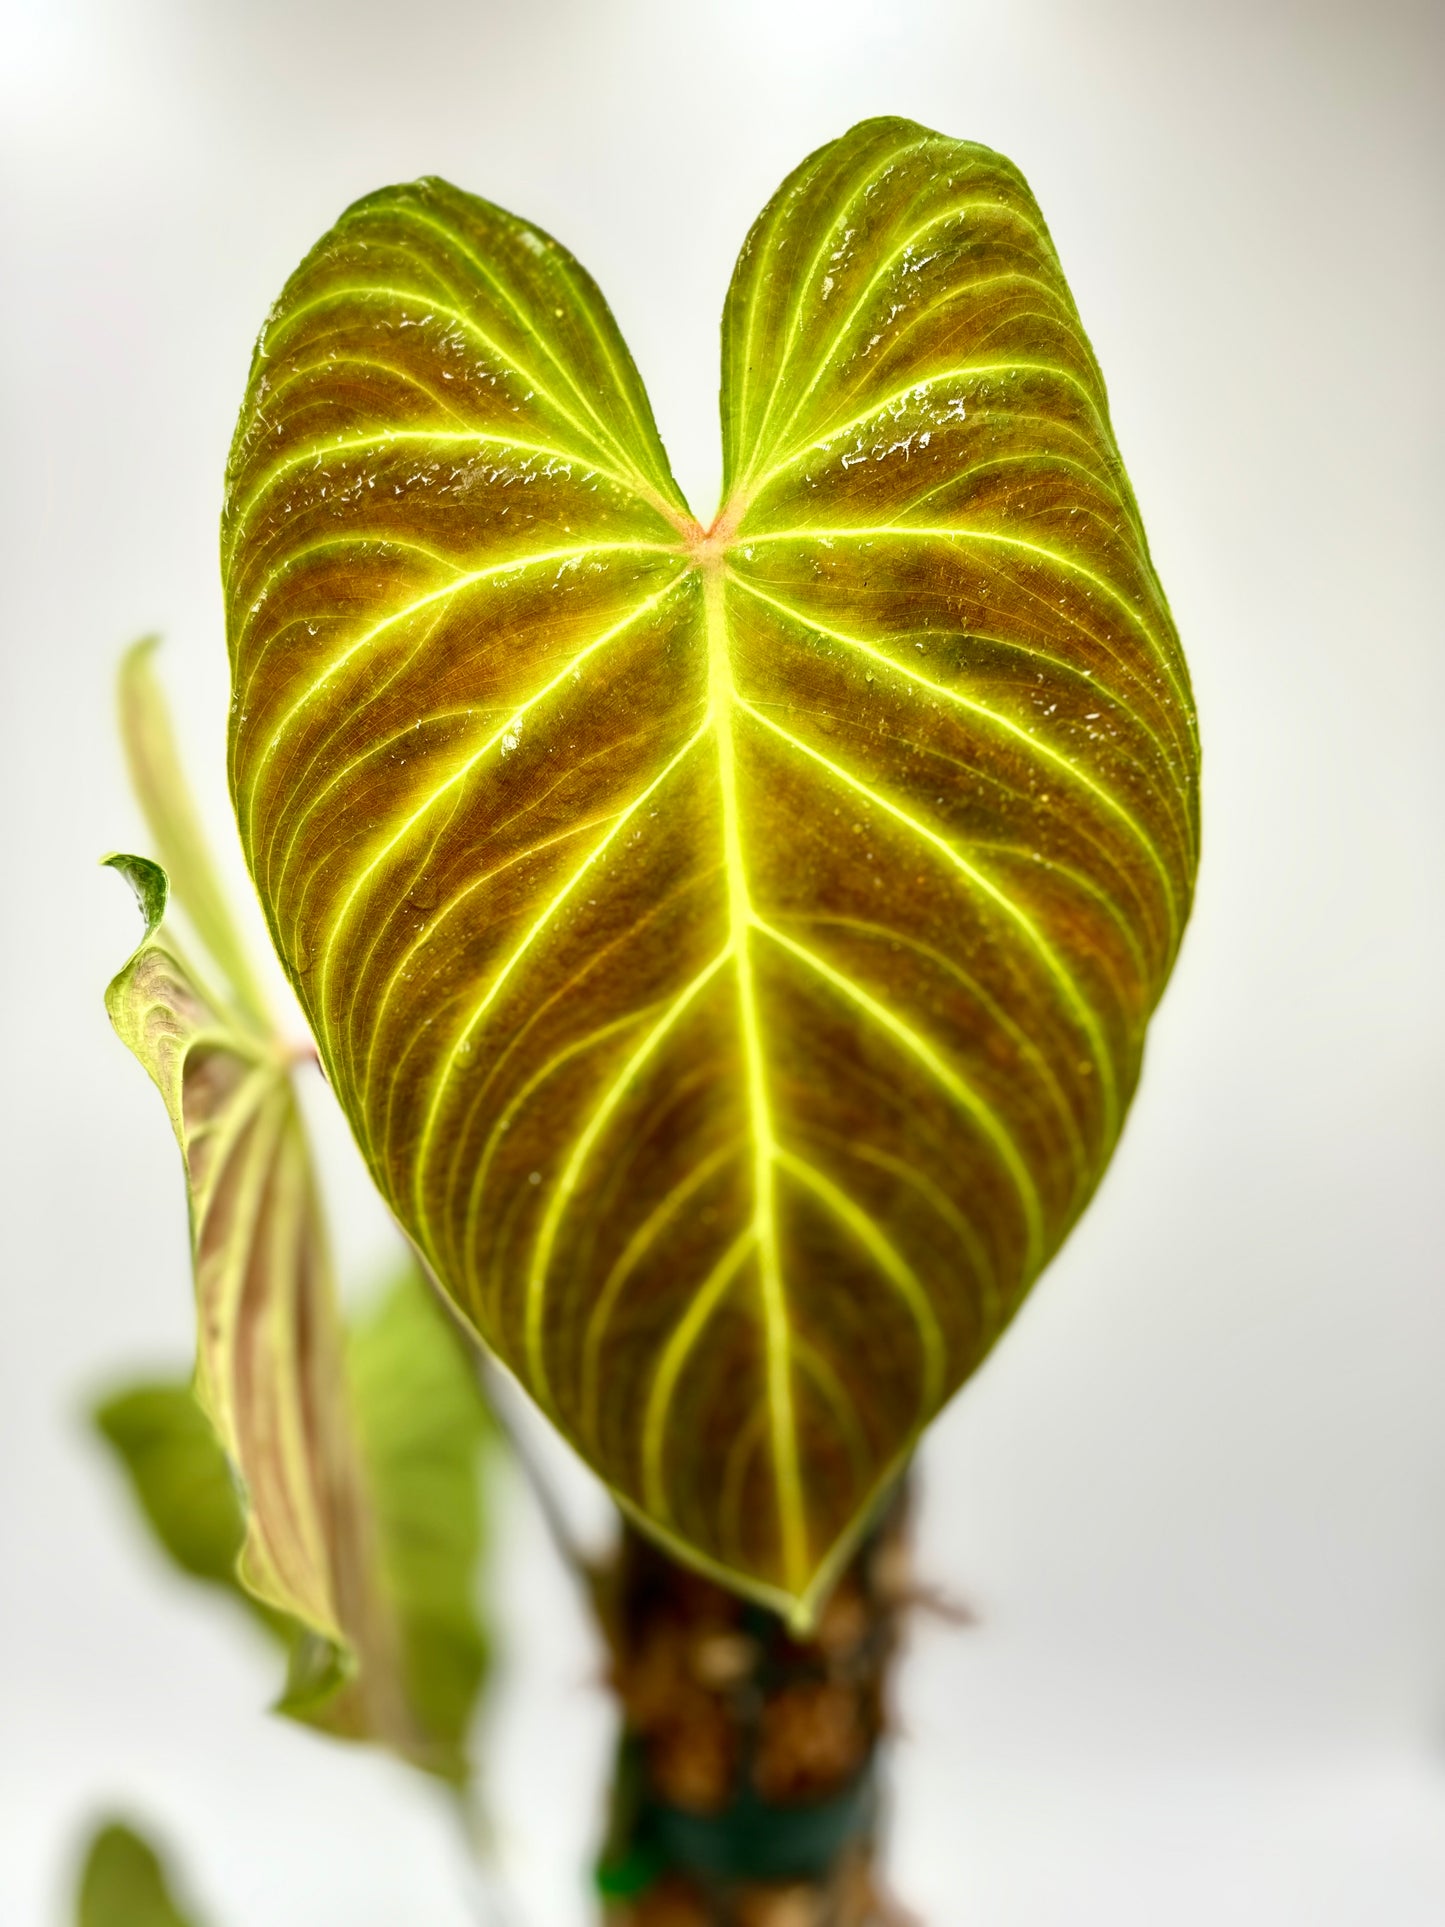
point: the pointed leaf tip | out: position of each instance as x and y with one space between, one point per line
150 883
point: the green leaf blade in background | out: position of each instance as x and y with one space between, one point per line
124 1884
428 1443
732 948
179 1476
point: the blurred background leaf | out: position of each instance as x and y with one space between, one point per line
123 1884
426 1442
180 1479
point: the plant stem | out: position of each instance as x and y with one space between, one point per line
747 1786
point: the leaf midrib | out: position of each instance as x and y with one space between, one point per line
742 920
707 555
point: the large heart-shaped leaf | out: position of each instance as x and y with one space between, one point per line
732 947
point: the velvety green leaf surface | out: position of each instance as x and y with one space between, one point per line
123 1884
732 948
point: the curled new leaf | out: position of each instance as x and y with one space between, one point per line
269 1363
732 947
334 1481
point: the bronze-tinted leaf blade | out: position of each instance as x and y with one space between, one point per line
956 679
732 948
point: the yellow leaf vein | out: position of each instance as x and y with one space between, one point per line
1078 1004
339 914
1037 745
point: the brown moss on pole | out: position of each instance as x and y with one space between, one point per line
747 1785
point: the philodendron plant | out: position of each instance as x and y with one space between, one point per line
731 943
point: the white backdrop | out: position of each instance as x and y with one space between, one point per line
1199 1494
